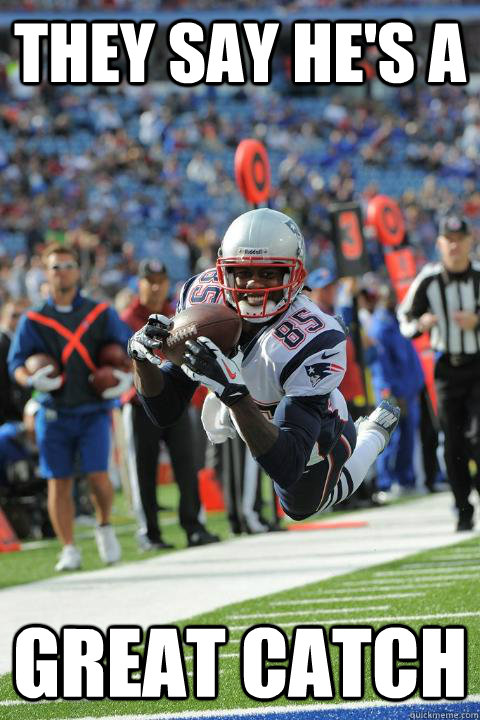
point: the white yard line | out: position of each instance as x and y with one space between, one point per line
172 587
429 572
373 619
392 584
333 611
351 598
454 564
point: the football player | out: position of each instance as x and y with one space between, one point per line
280 390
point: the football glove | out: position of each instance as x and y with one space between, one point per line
41 382
149 338
204 362
125 380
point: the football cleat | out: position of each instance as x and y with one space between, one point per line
384 419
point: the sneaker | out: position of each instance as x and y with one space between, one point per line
69 559
201 537
107 544
384 419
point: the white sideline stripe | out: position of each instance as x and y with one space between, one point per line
386 618
282 709
393 584
335 611
433 571
468 564
385 596
220 655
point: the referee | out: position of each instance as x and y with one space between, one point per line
444 300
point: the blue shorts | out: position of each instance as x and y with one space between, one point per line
70 442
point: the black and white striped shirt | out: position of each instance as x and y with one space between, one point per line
438 291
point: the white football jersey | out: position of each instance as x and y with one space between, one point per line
301 353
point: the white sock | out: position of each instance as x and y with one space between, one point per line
370 444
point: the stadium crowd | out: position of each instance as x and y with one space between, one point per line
127 173
123 174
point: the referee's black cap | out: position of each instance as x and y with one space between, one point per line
453 222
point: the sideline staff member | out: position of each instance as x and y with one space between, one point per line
445 300
72 418
153 287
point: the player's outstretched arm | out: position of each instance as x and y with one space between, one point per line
283 447
148 379
164 391
204 362
259 434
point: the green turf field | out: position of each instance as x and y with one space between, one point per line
439 587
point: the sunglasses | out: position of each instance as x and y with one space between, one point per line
64 266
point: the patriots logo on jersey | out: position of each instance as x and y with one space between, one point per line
321 370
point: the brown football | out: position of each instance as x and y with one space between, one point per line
219 323
41 360
103 378
114 355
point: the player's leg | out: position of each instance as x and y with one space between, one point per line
373 434
313 490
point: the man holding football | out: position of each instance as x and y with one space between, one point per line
280 391
73 423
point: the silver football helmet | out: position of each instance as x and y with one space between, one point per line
262 238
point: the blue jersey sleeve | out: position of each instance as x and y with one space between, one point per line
166 408
116 330
302 421
26 341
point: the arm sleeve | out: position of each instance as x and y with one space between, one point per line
166 408
116 330
413 306
302 421
26 341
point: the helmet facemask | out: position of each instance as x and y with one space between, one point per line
236 297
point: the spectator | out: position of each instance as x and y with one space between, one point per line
23 496
444 300
72 420
13 397
153 287
396 374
